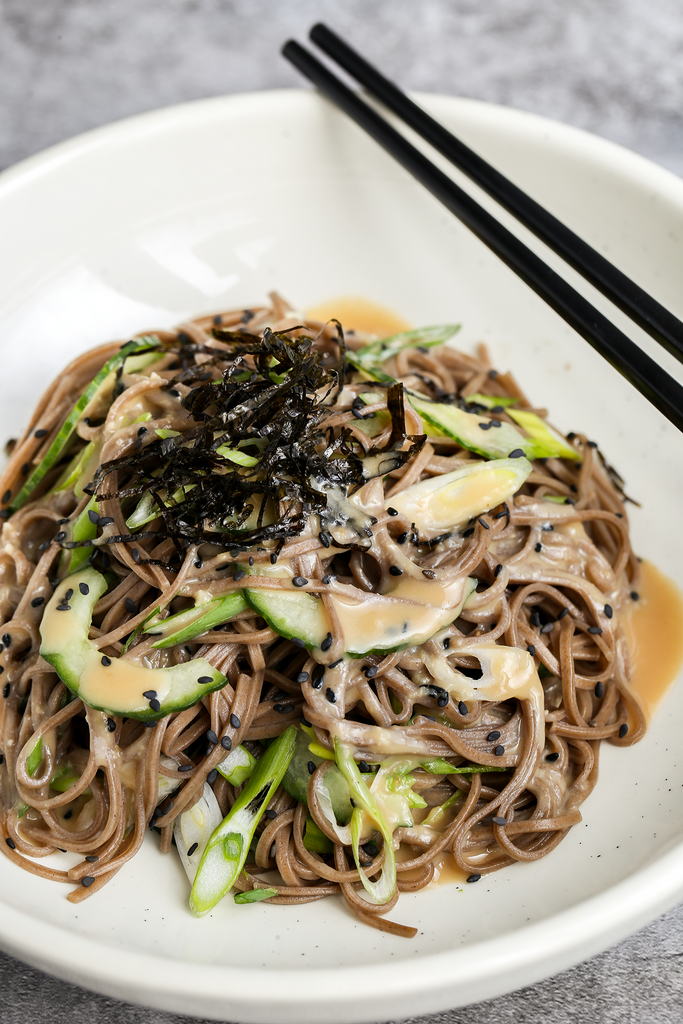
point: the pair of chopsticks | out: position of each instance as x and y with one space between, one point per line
665 393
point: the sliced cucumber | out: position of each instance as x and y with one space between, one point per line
491 401
441 502
377 625
186 625
80 470
471 431
113 685
63 439
295 780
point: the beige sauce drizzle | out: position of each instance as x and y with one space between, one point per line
359 314
653 626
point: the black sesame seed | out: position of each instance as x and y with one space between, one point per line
532 650
516 454
370 671
311 767
553 757
468 532
174 393
327 643
304 721
442 700
5 691
149 694
192 849
535 618
204 680
129 605
135 555
594 629
402 538
473 878
548 628
495 735
63 607
336 663
41 432
68 815
499 821
111 725
211 736
565 611
235 722
538 547
7 639
93 517
592 444
283 709
447 643
302 677
251 559
328 579
105 660
185 767
364 767
497 571
84 589
392 512
599 690
482 522
623 729
59 537
226 743
324 538
44 546
270 813
317 676
92 859
69 594
299 581
151 725
499 750
297 641
10 842
87 881
199 563
395 571
634 595
609 612
462 708
212 776
37 601
155 704
273 559
239 575
330 695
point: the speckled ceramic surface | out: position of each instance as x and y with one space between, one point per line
211 205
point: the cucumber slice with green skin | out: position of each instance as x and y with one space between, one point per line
184 626
491 401
377 625
63 439
80 470
227 849
442 502
295 780
113 684
549 444
472 432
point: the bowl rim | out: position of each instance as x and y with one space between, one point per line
360 993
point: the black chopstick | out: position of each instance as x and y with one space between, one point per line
649 314
640 370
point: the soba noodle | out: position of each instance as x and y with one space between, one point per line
553 568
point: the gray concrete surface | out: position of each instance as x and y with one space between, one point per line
614 67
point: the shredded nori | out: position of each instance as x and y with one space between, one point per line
269 404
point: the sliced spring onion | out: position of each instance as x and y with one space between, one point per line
254 895
227 849
238 766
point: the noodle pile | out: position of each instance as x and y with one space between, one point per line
538 565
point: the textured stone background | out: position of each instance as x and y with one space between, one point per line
614 67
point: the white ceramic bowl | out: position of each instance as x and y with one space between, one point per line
209 206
